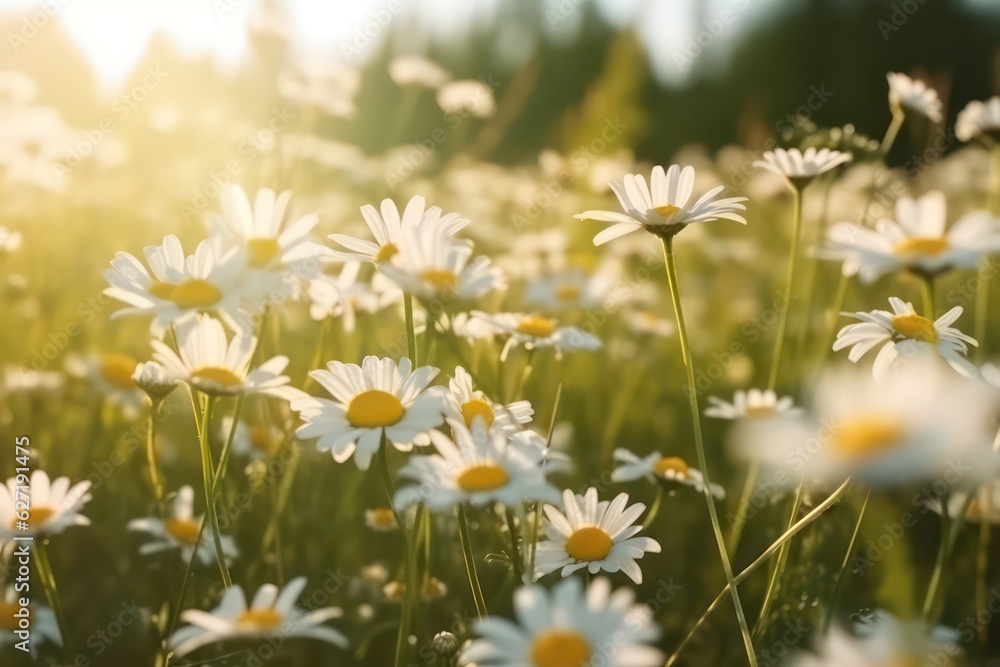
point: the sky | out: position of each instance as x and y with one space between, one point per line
113 34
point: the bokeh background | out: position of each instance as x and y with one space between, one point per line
143 109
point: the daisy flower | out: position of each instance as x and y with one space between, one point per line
979 119
43 623
990 374
571 289
906 94
258 441
480 466
467 97
51 508
9 242
535 331
378 399
381 519
412 70
111 375
657 466
982 507
905 333
329 88
435 266
593 535
345 295
386 227
21 379
174 287
271 246
918 423
153 379
751 404
568 627
180 531
211 363
647 323
915 241
472 406
801 167
663 209
272 611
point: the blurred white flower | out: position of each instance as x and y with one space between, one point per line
535 331
111 374
906 94
44 626
52 506
418 71
181 531
10 241
467 97
343 296
752 404
568 626
657 466
572 289
330 88
801 167
256 440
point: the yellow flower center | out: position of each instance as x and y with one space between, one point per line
7 620
219 375
477 408
666 210
260 438
117 370
259 619
568 293
922 245
262 250
560 648
588 543
195 293
374 408
37 516
760 411
865 436
671 464
913 326
440 278
386 252
162 290
382 517
482 477
537 326
184 531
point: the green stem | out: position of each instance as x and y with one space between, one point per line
763 558
175 614
839 584
779 565
779 342
227 449
743 507
204 440
411 336
983 295
537 523
692 392
930 600
154 470
515 550
470 563
48 578
927 291
654 509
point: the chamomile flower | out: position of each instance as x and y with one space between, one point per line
329 88
905 333
479 466
210 362
54 506
44 627
916 240
571 289
381 519
801 167
112 376
174 288
568 627
411 70
378 399
982 507
271 611
471 406
345 295
181 531
916 424
751 404
255 440
386 227
657 466
663 209
433 265
979 119
153 379
593 535
10 241
536 331
642 322
284 252
467 97
913 95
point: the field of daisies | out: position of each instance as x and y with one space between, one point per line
724 408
